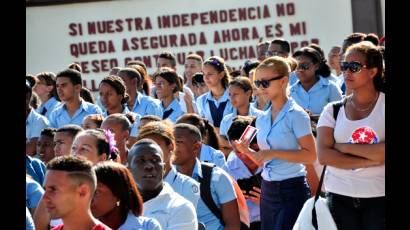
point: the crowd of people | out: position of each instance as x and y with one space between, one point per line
166 151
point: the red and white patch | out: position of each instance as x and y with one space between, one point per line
364 135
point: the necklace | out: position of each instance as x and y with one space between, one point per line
365 109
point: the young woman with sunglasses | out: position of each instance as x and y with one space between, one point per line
286 143
353 145
313 90
215 104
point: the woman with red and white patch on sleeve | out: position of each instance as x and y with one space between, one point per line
353 144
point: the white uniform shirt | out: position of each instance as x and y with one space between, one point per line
171 210
183 185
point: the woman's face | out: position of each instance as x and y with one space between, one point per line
103 201
363 76
305 69
88 123
200 89
238 96
276 87
86 145
109 97
163 88
212 77
41 88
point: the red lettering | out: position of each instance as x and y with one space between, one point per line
268 31
245 33
236 35
166 21
202 38
242 14
118 23
217 39
250 13
213 17
278 28
255 34
134 43
128 20
194 17
280 9
154 42
290 8
232 53
144 45
111 47
125 46
92 47
72 27
138 24
84 67
266 13
95 66
226 36
192 39
91 28
184 21
148 25
315 40
223 16
173 40
109 24
243 52
232 16
182 41
175 20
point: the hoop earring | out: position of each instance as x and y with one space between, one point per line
118 203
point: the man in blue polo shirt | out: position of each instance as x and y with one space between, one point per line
73 108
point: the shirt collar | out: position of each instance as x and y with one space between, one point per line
224 97
287 107
197 172
174 105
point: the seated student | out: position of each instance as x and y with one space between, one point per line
120 126
162 134
34 191
137 102
95 145
63 139
198 84
215 104
244 170
92 121
34 123
117 201
167 84
172 211
209 149
69 188
45 145
188 142
45 88
73 108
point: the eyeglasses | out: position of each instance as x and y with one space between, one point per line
273 53
265 83
303 66
353 66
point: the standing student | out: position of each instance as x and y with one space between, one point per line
286 143
45 88
215 104
73 108
313 90
353 146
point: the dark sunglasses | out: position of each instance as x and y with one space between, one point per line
354 66
265 83
303 66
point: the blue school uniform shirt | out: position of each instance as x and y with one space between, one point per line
291 123
227 120
222 191
211 155
60 117
238 170
204 107
293 78
36 169
139 223
145 105
46 108
35 123
183 185
34 191
321 93
173 111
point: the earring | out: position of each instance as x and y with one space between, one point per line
118 203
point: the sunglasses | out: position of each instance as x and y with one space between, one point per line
265 83
303 66
354 66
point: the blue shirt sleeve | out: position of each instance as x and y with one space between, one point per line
224 189
301 123
34 191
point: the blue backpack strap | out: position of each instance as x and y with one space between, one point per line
205 188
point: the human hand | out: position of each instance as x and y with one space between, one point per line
254 195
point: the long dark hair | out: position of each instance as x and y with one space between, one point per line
122 185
